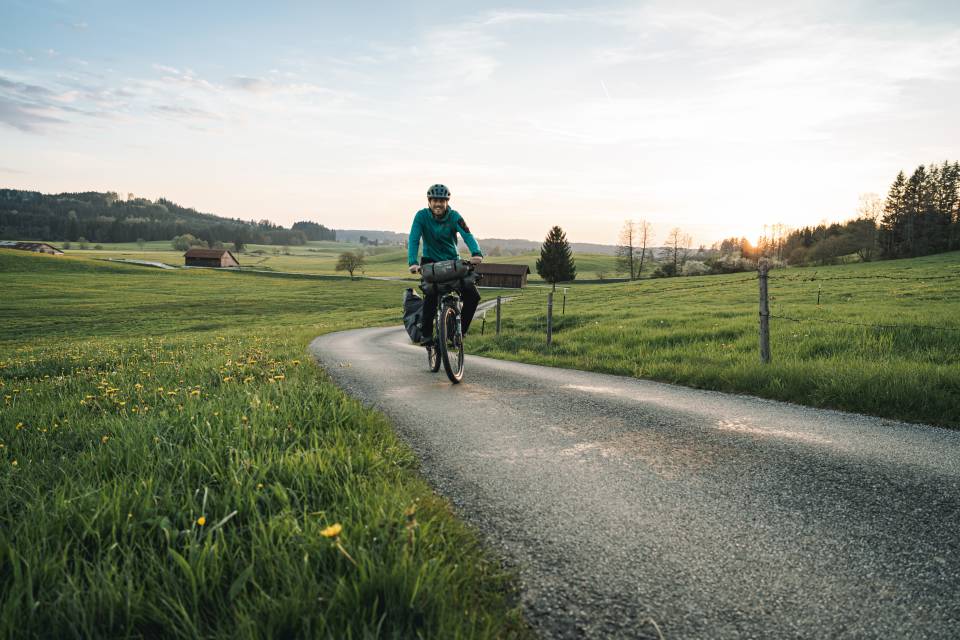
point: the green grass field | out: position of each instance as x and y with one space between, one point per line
321 258
703 332
172 465
170 461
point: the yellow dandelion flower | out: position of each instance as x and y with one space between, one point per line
228 379
332 531
295 362
14 463
259 484
202 520
104 439
280 377
195 392
171 393
2 445
243 418
19 426
248 379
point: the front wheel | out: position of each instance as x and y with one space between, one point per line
451 344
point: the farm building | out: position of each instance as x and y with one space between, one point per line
503 275
210 258
36 247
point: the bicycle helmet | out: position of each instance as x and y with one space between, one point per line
438 191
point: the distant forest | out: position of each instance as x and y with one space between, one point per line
919 216
105 217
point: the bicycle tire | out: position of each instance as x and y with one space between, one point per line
452 360
433 359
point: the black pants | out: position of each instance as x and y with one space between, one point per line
470 297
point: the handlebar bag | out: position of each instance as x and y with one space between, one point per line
444 271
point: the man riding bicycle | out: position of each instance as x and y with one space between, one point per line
438 226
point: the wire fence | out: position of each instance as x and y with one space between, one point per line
531 304
867 324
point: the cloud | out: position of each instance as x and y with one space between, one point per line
28 107
253 85
26 118
177 112
510 16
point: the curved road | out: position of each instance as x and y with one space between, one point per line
621 501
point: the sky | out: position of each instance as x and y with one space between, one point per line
715 117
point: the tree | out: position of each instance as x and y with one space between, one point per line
626 250
83 242
73 225
314 231
632 249
645 236
184 242
892 224
350 261
556 263
863 236
679 244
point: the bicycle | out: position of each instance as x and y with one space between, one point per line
447 338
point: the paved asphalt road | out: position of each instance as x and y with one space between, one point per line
717 516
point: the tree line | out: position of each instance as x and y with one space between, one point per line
920 216
106 217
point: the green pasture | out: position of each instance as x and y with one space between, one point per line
321 258
884 340
173 465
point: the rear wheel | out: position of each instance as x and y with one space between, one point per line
433 358
451 344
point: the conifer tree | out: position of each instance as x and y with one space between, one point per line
916 203
556 262
892 224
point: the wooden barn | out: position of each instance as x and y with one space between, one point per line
210 258
512 276
36 247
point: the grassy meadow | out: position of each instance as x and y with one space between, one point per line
172 465
321 258
703 332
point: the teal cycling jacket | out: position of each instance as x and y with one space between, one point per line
439 236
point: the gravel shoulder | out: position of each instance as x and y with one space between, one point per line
622 501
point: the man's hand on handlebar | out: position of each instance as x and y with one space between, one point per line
476 259
414 268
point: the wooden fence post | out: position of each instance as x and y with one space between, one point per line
563 311
763 267
549 318
498 315
483 324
